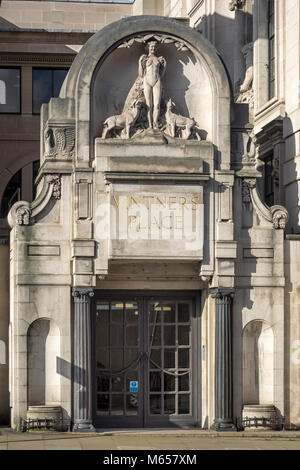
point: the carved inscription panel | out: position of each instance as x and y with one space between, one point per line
152 222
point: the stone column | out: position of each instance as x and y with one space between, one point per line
82 376
223 360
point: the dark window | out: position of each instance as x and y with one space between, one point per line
13 190
46 84
12 193
271 36
10 90
269 181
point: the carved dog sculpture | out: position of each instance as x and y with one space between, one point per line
177 121
123 121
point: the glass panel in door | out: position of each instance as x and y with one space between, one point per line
170 345
117 358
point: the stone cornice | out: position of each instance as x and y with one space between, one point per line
21 59
44 36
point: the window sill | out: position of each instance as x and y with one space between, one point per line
268 107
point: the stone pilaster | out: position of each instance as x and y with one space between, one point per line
82 376
223 360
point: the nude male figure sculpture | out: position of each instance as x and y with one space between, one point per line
151 70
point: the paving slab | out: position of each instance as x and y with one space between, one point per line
153 439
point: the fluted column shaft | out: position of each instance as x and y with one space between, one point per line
82 376
223 361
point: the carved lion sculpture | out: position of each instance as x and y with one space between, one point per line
181 122
123 121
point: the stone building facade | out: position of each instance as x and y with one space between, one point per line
153 270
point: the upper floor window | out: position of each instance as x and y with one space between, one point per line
10 86
271 38
46 83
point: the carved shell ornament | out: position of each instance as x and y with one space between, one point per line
144 107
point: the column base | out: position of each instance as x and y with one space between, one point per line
223 426
83 427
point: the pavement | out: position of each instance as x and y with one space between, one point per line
150 439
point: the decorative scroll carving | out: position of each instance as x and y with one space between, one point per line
23 212
55 180
23 216
280 217
175 122
160 38
59 142
236 4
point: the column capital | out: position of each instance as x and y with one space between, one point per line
222 293
82 294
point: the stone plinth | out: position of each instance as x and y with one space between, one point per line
260 411
44 412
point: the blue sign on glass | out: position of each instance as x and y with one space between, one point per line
133 386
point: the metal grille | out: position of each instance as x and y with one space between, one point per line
54 424
275 423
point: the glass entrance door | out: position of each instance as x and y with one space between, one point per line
144 362
118 363
169 390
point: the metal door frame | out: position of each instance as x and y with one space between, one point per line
144 419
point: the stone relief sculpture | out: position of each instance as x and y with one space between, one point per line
23 216
176 121
124 121
152 70
235 4
59 142
55 180
280 217
144 106
249 154
245 90
159 38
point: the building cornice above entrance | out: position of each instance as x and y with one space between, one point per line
125 176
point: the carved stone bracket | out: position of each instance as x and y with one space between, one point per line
235 4
280 217
23 215
276 215
22 212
